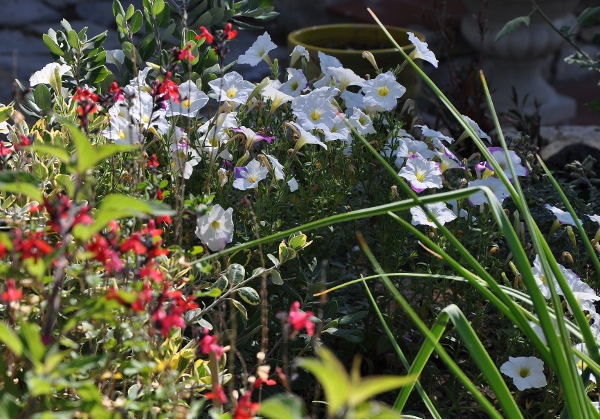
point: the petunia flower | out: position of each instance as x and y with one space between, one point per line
383 91
296 83
49 74
232 88
298 52
305 137
345 77
215 229
563 217
421 173
431 133
422 50
191 100
248 177
362 122
475 128
495 184
293 184
300 320
258 51
500 157
440 211
526 372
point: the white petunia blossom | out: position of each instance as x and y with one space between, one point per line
345 77
526 372
362 122
116 57
298 52
563 217
421 173
305 137
258 51
440 211
191 99
293 184
215 229
430 133
232 88
422 50
475 128
296 83
48 75
495 184
500 157
248 177
383 91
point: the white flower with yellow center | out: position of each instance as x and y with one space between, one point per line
232 88
439 210
383 91
493 183
361 122
526 372
191 99
421 173
421 50
248 177
215 229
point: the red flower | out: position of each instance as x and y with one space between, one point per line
218 394
164 219
166 89
32 247
245 408
134 243
185 53
159 195
259 382
11 293
4 150
228 32
300 320
153 162
205 34
87 104
116 92
209 344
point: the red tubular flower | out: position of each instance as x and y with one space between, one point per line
153 162
11 293
4 150
229 32
185 53
116 92
218 394
87 104
134 243
205 34
300 320
245 408
32 247
209 344
259 382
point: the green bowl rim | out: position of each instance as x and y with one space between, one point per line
293 37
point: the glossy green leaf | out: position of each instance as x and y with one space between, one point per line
158 7
276 277
249 295
590 16
298 242
6 112
11 339
130 11
52 46
33 339
137 21
42 96
73 39
236 273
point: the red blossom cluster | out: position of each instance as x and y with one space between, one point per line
171 307
299 320
11 293
185 53
165 89
219 39
64 214
31 246
87 104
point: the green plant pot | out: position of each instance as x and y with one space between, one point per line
346 42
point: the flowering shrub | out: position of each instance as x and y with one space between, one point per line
153 257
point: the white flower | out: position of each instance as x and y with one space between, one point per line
540 278
305 137
595 218
298 52
315 110
383 91
439 210
248 177
408 147
258 51
422 50
476 128
500 157
215 229
448 160
495 184
362 122
232 88
526 372
579 362
115 56
326 61
345 77
191 99
276 96
430 133
277 167
184 158
295 83
563 217
122 131
47 75
421 173
338 131
293 184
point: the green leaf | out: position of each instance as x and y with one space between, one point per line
276 277
332 376
285 253
20 188
117 8
158 6
58 152
18 177
353 318
589 16
236 273
512 26
73 39
42 97
221 283
282 406
298 242
6 112
52 46
374 385
249 295
11 339
39 387
137 21
130 11
97 74
213 292
31 335
240 307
